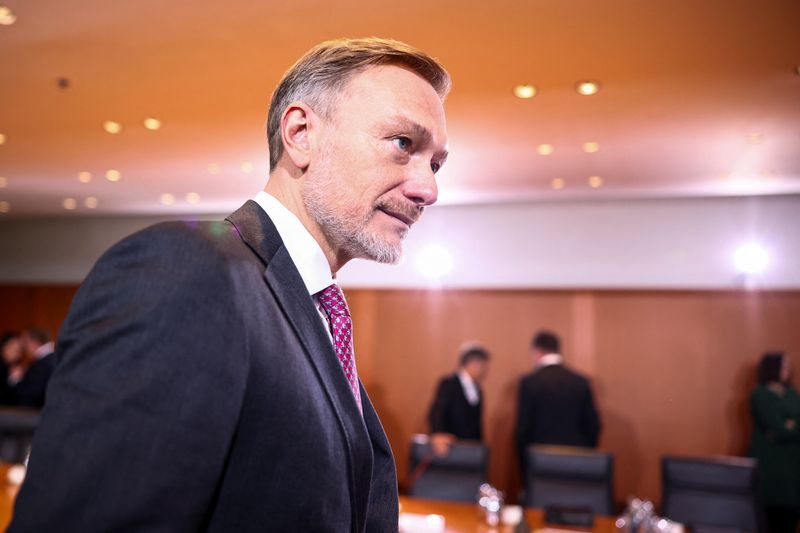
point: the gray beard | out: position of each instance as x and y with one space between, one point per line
344 232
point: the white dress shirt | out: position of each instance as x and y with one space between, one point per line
469 386
550 359
306 253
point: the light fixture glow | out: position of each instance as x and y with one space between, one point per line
595 182
751 258
558 183
434 261
69 203
84 177
112 127
591 147
545 149
587 88
3 182
90 202
247 167
755 138
213 168
166 199
193 198
2 138
113 175
525 91
152 123
5 207
7 18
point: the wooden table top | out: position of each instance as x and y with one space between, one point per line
466 517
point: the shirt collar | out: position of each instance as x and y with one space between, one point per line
45 349
465 378
550 359
304 250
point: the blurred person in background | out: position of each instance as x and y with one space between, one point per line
556 404
775 443
457 409
11 352
29 383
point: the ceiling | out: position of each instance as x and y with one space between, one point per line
697 98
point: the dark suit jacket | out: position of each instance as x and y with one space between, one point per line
30 391
452 413
197 390
556 406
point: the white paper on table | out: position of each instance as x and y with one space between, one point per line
421 523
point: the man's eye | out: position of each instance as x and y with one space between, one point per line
403 143
435 167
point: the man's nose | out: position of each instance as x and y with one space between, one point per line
421 187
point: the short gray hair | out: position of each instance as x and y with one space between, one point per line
319 76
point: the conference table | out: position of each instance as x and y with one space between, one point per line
466 518
458 517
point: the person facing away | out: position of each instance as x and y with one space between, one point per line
556 405
457 409
205 377
775 443
29 380
11 355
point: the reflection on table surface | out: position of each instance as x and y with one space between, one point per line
466 517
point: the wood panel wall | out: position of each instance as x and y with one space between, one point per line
672 370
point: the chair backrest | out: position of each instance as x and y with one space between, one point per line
456 476
719 492
569 477
16 433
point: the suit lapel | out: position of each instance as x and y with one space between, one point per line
285 282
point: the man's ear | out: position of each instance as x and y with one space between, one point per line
296 125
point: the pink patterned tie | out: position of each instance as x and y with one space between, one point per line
334 304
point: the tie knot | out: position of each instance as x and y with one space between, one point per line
332 300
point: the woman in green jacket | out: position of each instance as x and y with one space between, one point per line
775 406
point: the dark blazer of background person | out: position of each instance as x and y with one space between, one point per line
452 413
261 381
556 406
30 391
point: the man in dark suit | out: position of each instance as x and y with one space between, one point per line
556 405
205 377
457 409
38 349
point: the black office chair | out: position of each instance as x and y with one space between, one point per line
455 477
571 484
712 493
16 433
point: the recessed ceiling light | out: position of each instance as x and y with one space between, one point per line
193 198
587 88
591 147
69 203
113 175
558 183
84 177
213 168
755 138
2 138
545 149
112 127
3 182
90 202
166 199
247 167
7 18
595 182
152 123
525 91
5 207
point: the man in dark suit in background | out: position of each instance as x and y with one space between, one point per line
556 405
457 409
30 390
205 377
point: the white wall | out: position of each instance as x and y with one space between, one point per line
679 243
